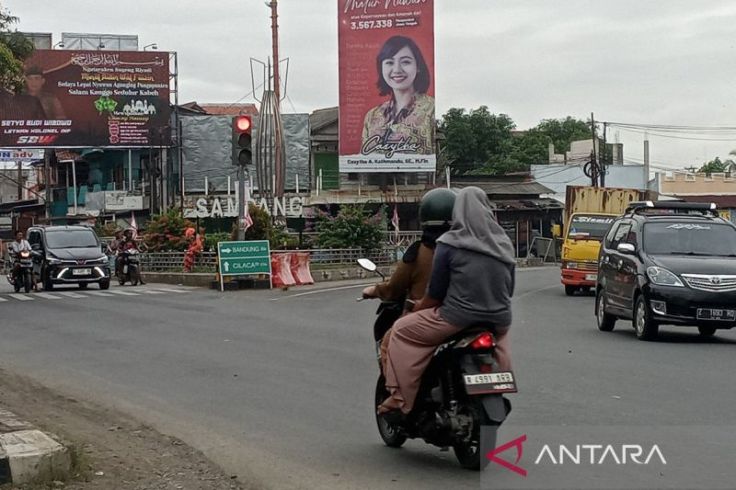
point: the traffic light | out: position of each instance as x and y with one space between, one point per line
242 140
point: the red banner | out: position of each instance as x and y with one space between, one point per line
89 98
386 50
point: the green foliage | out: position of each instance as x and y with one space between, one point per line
211 239
353 227
479 142
165 232
14 49
263 228
106 229
715 166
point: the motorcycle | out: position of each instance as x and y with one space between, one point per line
129 268
20 275
461 391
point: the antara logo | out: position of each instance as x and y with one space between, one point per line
579 454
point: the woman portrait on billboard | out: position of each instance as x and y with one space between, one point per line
406 119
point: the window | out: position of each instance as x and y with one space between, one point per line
610 235
621 235
34 238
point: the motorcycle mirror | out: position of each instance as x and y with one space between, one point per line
368 265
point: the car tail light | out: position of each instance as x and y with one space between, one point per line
483 341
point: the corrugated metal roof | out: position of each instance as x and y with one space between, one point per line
323 117
493 187
230 109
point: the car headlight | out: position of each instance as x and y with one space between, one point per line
663 277
53 261
572 265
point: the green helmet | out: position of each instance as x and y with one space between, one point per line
435 209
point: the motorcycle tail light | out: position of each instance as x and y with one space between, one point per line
483 341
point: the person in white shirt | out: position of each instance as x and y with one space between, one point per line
19 244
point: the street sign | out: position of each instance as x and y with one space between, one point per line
243 258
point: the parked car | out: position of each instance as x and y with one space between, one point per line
69 255
668 263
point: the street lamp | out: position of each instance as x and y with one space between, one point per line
152 46
100 46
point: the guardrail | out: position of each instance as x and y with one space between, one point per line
319 259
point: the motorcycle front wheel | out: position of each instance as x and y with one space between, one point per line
134 275
27 282
391 434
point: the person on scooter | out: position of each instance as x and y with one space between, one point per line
129 243
472 284
411 276
15 248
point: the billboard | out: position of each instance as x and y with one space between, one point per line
89 98
387 109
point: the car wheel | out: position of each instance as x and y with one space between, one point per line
646 328
105 284
707 331
570 290
606 321
47 284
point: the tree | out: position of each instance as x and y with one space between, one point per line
352 228
15 48
562 132
714 166
478 141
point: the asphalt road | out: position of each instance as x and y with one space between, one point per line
277 386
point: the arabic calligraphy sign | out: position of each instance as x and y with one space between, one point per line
89 98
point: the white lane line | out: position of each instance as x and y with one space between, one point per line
21 297
99 293
2 299
46 296
71 295
534 291
153 291
320 291
168 290
123 293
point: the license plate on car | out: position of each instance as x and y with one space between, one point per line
716 314
591 277
503 382
81 272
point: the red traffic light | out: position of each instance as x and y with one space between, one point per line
243 123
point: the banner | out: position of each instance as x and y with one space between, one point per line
89 98
386 51
20 155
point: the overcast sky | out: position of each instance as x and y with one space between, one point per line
654 62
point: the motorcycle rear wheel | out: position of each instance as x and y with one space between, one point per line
468 453
134 275
391 434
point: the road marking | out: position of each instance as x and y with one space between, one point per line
21 297
169 290
535 291
2 299
153 291
123 293
319 291
72 295
99 293
47 296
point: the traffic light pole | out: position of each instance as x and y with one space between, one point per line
241 202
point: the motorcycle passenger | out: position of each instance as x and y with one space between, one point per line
129 243
411 276
471 285
113 247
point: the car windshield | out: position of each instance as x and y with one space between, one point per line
590 226
689 239
71 239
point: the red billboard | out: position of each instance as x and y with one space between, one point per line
386 50
89 98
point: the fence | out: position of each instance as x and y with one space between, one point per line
319 258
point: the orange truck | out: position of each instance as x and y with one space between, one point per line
589 212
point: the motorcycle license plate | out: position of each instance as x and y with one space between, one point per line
476 384
591 277
715 314
81 272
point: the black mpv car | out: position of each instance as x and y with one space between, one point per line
668 263
68 255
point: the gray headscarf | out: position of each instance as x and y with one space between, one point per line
475 228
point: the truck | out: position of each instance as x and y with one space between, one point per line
589 213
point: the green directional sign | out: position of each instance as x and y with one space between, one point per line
243 258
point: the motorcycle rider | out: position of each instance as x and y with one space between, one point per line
411 276
128 243
472 284
113 247
19 245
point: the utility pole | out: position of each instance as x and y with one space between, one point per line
20 180
594 169
279 169
604 156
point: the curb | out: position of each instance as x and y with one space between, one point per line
28 455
